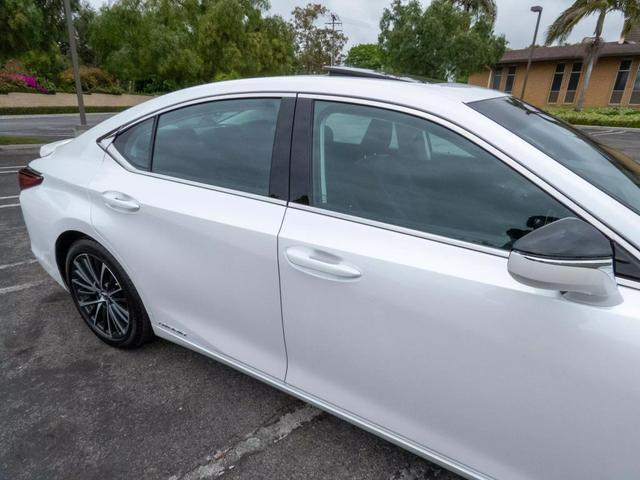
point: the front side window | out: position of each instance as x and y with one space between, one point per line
226 143
621 82
608 169
511 77
134 144
556 83
402 170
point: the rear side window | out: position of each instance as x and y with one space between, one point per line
406 171
134 144
226 143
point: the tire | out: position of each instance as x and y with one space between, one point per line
105 296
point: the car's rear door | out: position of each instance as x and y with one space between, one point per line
191 201
398 307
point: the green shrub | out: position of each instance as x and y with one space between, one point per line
92 79
606 117
44 64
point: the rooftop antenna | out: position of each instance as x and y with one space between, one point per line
335 21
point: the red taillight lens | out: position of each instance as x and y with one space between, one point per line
28 177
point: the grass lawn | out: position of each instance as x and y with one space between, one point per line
19 140
606 117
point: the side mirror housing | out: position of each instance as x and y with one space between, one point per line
569 256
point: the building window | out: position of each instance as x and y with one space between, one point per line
635 94
497 78
556 83
574 80
511 76
621 82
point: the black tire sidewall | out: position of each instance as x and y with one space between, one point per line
140 327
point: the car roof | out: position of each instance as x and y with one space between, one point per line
445 99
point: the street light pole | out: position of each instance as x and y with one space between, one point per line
74 62
537 9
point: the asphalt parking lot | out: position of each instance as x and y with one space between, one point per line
73 408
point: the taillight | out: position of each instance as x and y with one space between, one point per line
28 177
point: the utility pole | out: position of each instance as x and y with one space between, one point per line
335 21
74 62
536 9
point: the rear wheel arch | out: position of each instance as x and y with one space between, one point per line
63 243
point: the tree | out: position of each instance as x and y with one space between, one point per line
440 42
580 9
21 24
34 34
315 46
161 45
479 8
364 55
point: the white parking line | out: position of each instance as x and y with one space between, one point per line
10 205
5 172
9 196
17 264
608 132
11 166
226 459
22 286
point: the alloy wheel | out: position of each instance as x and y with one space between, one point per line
100 297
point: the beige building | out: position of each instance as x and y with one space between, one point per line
557 74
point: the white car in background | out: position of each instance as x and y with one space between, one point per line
444 266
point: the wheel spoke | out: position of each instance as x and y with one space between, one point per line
82 274
114 291
92 302
107 319
91 270
103 269
82 284
116 321
95 314
120 312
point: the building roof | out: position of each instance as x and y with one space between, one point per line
569 52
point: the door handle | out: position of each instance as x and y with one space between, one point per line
120 202
321 263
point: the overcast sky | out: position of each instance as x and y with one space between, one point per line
361 17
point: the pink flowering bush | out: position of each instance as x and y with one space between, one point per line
20 81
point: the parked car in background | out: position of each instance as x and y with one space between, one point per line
444 266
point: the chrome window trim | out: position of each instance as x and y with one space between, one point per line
594 263
626 282
406 231
490 148
106 142
194 101
120 160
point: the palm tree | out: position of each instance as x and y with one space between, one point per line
479 7
564 24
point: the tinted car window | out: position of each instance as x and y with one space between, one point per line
226 143
608 169
413 173
134 144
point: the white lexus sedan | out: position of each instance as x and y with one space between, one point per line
444 266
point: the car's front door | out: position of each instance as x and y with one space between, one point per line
398 306
195 223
